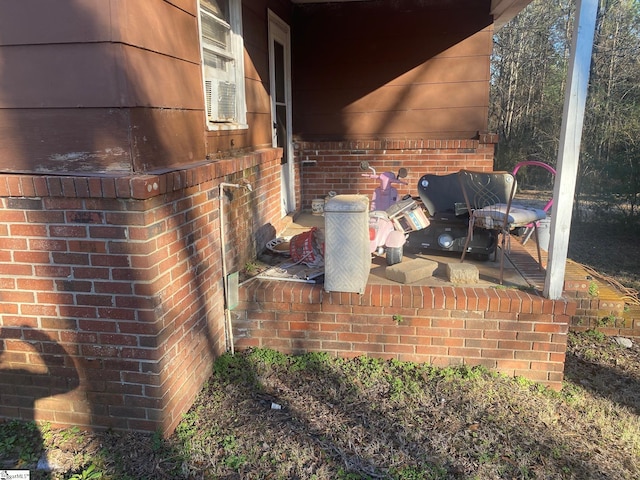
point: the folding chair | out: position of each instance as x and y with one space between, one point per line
489 196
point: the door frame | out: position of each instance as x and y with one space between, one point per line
279 31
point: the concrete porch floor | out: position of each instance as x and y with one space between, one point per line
520 266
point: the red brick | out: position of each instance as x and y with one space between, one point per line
483 299
431 350
534 337
481 324
548 347
534 375
332 308
439 299
514 345
531 355
302 325
551 328
446 361
447 341
384 339
512 365
52 271
335 327
337 346
557 357
449 298
16 296
485 362
447 323
432 332
516 326
481 343
547 366
117 339
38 310
472 301
465 352
466 333
556 377
497 353
400 329
27 230
352 337
313 335
433 313
398 348
31 257
366 328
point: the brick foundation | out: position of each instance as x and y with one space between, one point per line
514 332
601 307
111 295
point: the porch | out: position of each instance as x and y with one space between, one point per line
510 328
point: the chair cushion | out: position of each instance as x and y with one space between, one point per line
519 216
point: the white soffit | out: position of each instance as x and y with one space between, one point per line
505 10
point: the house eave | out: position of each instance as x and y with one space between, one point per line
505 10
502 10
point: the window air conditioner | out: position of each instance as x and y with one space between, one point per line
221 101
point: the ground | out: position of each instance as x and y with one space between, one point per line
264 415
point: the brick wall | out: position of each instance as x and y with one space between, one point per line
111 295
604 308
511 331
335 166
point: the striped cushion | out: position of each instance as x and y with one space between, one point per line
494 215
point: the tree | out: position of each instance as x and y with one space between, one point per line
528 83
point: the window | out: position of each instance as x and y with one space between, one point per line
222 63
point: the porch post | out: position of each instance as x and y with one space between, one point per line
569 151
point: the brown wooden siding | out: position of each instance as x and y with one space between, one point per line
402 69
116 86
399 69
100 87
65 140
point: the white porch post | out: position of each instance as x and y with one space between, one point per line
569 151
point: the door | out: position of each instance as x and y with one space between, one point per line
280 83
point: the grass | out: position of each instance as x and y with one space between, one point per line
365 418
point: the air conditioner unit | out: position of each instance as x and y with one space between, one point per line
221 100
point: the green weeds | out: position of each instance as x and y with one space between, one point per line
20 443
89 473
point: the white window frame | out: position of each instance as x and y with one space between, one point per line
236 52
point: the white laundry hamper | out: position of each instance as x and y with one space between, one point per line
347 261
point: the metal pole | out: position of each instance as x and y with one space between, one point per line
569 151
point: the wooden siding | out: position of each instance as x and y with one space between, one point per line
114 87
100 86
404 69
371 70
84 140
